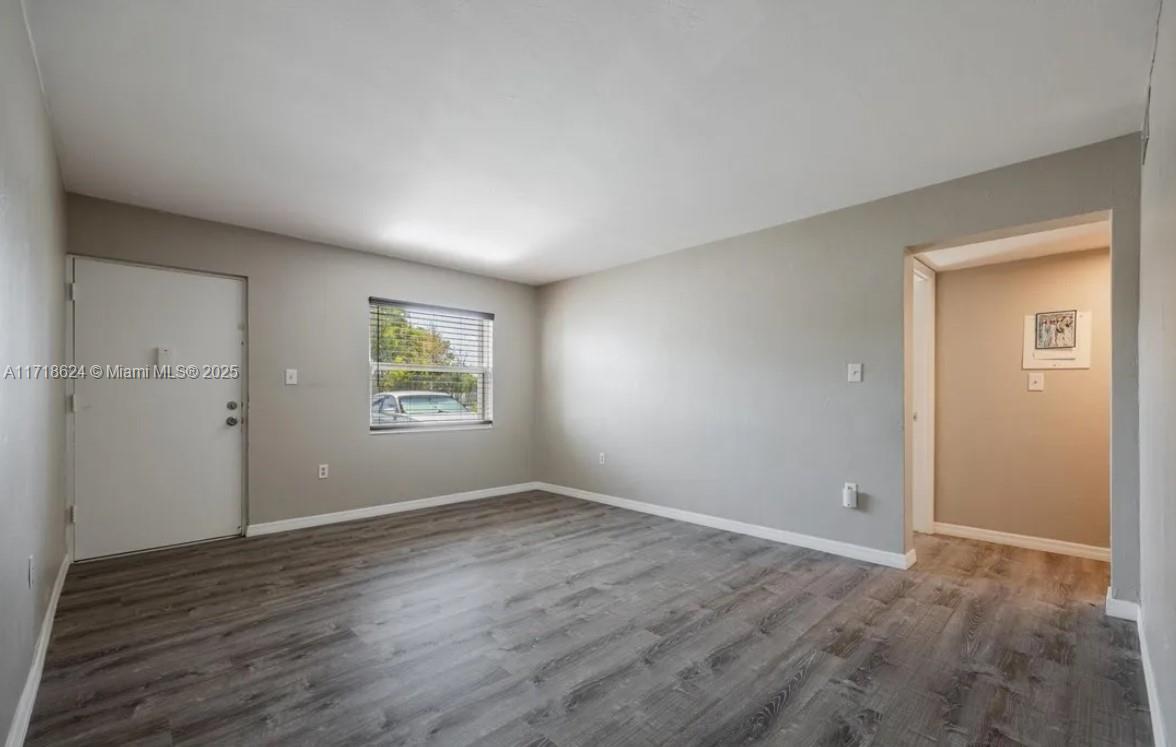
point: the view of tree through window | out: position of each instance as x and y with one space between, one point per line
428 366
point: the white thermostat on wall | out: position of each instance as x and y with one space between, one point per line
291 376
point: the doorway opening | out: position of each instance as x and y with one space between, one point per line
1008 376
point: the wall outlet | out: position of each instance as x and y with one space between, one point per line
30 572
291 376
849 495
324 471
1037 381
602 457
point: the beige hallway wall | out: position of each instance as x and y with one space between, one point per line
1008 459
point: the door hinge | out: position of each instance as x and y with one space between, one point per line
72 291
71 402
72 514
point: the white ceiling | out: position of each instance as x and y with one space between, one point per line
1096 235
542 139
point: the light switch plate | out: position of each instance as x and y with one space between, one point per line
1037 381
291 375
854 373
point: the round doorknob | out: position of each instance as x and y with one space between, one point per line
231 420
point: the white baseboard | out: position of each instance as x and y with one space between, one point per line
1121 608
367 512
1159 728
1060 547
845 549
28 696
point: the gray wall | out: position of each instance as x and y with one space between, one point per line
32 285
714 377
1157 379
308 310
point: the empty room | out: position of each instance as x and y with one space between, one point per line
579 373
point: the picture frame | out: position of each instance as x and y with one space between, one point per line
1056 330
1035 358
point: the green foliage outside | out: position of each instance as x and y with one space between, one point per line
399 341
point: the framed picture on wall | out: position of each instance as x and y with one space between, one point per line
1057 339
1056 330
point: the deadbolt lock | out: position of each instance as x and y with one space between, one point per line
232 405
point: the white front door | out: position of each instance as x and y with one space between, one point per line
157 451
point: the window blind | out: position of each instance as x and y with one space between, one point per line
429 366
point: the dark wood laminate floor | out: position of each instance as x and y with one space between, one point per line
538 620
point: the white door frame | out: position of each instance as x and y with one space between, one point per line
70 445
923 398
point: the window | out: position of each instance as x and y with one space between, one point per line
429 366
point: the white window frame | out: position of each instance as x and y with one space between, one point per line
485 371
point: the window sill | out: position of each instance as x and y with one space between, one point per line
432 429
